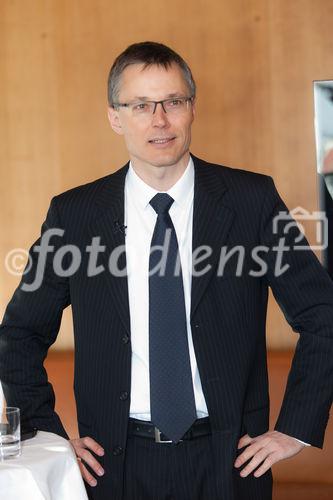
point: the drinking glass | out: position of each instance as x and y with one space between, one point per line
10 433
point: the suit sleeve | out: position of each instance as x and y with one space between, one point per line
304 291
30 326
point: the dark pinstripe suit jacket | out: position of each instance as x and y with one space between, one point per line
231 207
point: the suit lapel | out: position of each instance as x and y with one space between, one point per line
109 226
212 221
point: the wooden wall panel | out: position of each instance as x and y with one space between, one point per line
254 62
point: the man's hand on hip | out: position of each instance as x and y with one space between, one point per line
265 450
81 447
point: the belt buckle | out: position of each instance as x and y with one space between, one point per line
158 437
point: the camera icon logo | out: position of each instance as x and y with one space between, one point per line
301 218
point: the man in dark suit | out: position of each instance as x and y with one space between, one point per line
170 355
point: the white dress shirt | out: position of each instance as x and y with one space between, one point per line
140 219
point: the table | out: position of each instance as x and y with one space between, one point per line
46 470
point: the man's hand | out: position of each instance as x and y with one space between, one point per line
81 447
266 450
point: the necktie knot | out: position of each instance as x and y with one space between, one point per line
161 203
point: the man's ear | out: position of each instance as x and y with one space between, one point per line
113 116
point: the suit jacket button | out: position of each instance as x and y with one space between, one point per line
123 396
125 339
117 450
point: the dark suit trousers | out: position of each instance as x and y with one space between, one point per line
185 471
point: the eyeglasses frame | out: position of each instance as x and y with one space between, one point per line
127 104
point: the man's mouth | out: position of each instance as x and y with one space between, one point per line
161 140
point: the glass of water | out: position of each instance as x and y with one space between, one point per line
10 433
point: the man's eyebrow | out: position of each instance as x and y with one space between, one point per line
145 98
176 94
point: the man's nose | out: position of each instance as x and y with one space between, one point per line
159 117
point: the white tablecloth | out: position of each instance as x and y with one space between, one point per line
46 470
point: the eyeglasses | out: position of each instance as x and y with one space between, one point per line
174 105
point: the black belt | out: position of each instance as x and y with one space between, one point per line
145 429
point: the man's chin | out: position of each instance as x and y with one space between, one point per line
165 160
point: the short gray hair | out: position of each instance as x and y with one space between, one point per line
147 53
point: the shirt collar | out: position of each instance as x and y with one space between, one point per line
144 193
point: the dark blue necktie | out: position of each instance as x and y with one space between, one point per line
171 389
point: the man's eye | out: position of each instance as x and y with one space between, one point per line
141 106
176 102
